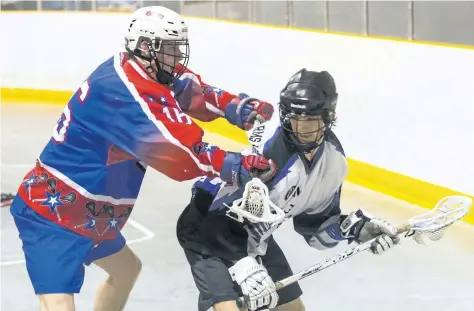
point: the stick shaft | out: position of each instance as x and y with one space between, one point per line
332 261
457 204
325 264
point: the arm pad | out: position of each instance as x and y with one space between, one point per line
328 235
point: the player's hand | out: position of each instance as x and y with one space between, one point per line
257 286
238 169
362 227
253 110
257 165
244 111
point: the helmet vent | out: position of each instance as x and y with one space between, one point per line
172 33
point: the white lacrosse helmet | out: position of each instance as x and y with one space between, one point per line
166 36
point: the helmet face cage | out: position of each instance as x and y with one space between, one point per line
291 134
171 57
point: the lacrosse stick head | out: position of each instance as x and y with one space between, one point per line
255 205
433 224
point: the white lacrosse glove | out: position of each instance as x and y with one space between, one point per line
361 227
257 286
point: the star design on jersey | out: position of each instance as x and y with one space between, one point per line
113 222
207 90
163 100
90 223
150 99
217 91
52 200
30 181
204 148
208 148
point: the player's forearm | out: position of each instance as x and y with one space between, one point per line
207 103
226 164
200 100
183 163
337 228
218 98
319 232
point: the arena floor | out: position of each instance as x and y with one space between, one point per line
412 277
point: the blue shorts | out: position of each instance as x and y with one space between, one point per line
55 256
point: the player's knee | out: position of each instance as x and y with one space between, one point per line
138 267
295 305
226 306
123 267
57 302
131 274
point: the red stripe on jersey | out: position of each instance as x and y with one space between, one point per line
53 199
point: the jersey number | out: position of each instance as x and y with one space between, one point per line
59 131
179 116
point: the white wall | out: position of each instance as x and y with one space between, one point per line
405 107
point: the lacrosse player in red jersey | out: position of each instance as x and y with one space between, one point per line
133 113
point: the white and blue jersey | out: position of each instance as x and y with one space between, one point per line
308 191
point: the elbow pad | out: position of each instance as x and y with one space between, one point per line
328 235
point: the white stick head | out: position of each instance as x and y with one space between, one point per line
255 205
447 211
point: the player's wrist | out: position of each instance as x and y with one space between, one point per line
230 111
232 170
352 224
236 111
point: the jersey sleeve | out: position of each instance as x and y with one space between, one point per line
152 130
201 100
321 230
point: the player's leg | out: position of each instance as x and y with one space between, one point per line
57 302
211 275
278 268
214 283
217 290
227 306
122 267
295 305
54 257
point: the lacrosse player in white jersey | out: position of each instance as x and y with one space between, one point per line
228 241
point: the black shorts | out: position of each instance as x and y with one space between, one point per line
213 280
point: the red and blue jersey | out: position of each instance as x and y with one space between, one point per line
120 121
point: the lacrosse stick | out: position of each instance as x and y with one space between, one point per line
7 199
432 223
255 135
255 205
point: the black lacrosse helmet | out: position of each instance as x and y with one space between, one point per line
307 93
